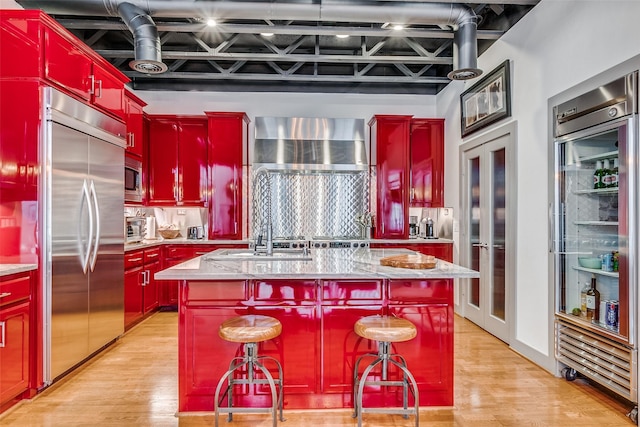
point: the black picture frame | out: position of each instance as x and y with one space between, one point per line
487 101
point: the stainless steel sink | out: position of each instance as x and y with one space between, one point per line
246 255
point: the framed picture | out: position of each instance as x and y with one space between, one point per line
487 101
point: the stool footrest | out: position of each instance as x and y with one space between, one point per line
383 382
245 410
395 411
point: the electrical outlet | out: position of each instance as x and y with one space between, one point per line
182 211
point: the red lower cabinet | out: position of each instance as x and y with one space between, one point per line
427 304
15 296
317 347
443 251
140 286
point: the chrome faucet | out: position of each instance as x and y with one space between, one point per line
263 179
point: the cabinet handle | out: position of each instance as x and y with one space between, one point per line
412 194
133 139
92 85
141 277
152 256
2 334
5 294
99 94
135 259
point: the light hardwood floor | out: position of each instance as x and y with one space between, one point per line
134 383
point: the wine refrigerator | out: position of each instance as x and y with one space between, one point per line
594 225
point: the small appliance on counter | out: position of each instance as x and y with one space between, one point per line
413 226
135 227
195 233
436 223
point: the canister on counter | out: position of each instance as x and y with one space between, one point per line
612 314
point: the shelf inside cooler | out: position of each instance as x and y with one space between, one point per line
596 223
601 156
597 191
596 271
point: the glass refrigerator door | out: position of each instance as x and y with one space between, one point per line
591 190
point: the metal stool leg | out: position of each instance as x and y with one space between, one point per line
384 357
251 361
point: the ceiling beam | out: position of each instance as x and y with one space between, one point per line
265 57
179 27
289 77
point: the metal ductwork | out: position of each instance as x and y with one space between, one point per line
147 50
461 17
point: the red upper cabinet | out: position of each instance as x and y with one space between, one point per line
67 65
36 46
177 169
390 135
427 163
135 127
228 133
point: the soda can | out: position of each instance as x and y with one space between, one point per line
612 314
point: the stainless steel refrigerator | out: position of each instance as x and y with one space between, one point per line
83 199
595 242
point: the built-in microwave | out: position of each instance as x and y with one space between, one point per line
132 180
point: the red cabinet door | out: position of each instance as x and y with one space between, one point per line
342 346
391 137
163 162
133 279
227 138
198 379
427 163
135 131
192 162
428 304
14 351
108 91
150 290
67 65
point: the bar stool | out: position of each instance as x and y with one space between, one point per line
385 330
250 330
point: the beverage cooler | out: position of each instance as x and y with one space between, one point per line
595 230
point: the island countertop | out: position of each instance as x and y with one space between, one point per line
362 263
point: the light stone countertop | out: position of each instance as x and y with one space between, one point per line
362 263
7 269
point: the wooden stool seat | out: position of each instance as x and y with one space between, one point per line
250 328
385 329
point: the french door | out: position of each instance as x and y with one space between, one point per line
488 239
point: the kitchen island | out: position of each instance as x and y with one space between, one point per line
317 301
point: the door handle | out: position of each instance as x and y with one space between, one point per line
84 257
480 245
96 244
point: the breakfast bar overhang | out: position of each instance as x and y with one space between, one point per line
317 299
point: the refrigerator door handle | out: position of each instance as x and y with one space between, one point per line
96 236
85 252
552 227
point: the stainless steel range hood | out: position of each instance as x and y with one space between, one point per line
309 144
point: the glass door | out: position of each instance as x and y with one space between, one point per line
592 230
486 209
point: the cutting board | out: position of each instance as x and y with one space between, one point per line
416 261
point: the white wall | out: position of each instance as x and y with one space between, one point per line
358 106
559 44
9 4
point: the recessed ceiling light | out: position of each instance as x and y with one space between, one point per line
266 34
398 27
211 22
342 36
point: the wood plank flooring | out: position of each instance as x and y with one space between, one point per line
134 383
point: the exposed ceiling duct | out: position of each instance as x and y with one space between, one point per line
458 16
148 56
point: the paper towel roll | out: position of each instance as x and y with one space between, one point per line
150 232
